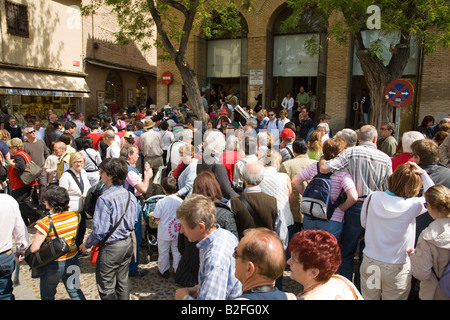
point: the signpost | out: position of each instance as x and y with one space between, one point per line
167 79
398 93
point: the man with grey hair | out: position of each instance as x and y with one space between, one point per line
198 221
254 208
370 169
38 152
349 136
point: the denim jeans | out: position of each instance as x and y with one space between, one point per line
333 227
68 271
7 264
352 232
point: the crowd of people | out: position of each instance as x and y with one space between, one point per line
231 214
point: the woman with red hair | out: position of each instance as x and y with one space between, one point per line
315 257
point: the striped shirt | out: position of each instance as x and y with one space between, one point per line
66 224
109 209
216 280
368 166
339 180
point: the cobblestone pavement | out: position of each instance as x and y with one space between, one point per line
149 287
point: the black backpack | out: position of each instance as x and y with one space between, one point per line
91 198
316 199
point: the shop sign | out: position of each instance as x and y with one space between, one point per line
28 92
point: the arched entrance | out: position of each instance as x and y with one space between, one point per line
227 63
299 58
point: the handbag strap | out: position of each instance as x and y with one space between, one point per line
103 241
95 163
76 180
250 210
52 225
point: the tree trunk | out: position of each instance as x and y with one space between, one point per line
378 76
192 90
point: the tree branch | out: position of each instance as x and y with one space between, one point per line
161 31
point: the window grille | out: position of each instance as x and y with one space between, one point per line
17 19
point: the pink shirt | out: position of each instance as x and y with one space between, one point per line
133 179
339 180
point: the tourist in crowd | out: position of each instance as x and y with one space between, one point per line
93 160
340 182
217 281
369 169
112 266
315 145
13 232
391 216
206 184
315 258
260 261
430 257
187 177
76 182
66 223
20 191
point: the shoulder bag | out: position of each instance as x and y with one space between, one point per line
96 248
49 251
31 172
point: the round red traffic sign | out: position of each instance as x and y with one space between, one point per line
399 93
166 77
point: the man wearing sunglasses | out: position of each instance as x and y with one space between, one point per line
38 152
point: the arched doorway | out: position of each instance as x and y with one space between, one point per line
114 89
299 58
227 61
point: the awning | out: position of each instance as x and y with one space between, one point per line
37 83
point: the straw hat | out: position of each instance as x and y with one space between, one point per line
148 124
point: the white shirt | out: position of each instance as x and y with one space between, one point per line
11 225
167 139
40 134
166 212
390 224
76 196
287 103
113 151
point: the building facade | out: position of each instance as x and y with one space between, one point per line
40 68
52 57
116 74
269 60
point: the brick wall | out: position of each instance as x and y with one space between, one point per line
435 89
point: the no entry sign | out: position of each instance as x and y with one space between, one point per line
399 93
166 77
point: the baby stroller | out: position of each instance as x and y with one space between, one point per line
151 227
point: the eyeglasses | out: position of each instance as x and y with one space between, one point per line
425 205
271 114
236 255
31 131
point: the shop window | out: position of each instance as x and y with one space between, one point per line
141 91
17 19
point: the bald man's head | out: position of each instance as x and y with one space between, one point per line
264 248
